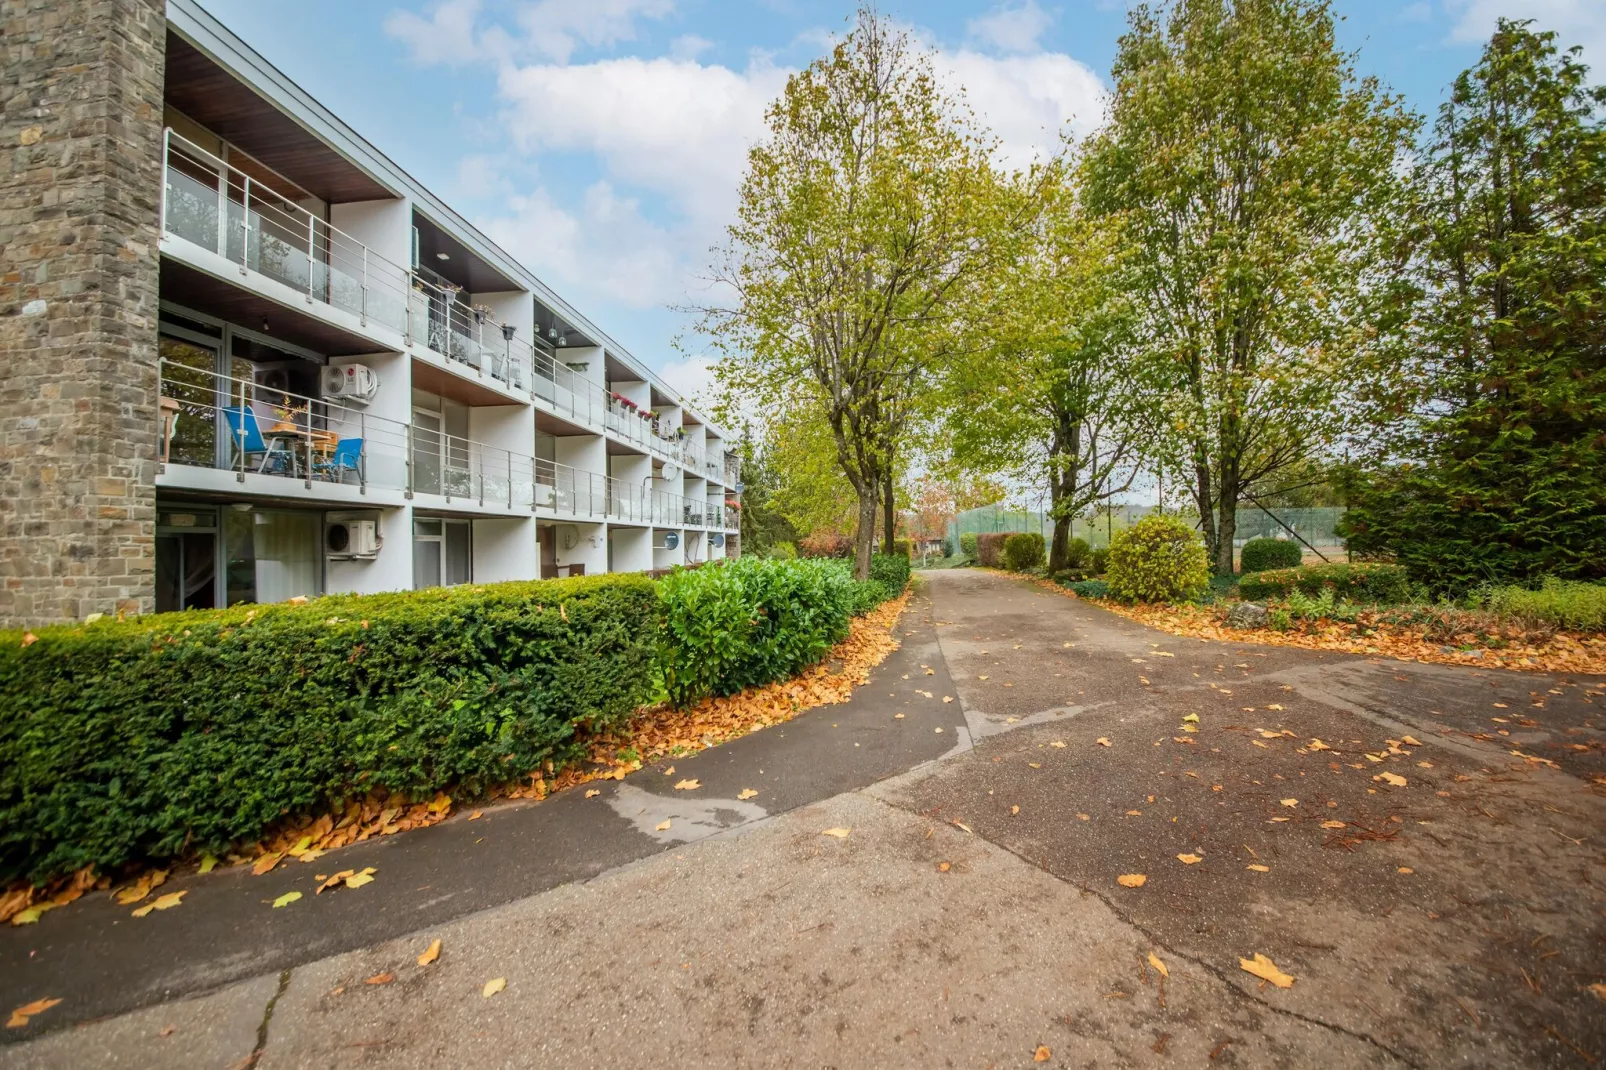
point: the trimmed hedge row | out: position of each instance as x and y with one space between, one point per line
892 570
1258 555
1380 584
188 731
748 622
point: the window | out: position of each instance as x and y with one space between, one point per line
442 552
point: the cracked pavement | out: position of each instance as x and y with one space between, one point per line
1452 921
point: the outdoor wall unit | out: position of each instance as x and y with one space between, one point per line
351 536
671 541
353 383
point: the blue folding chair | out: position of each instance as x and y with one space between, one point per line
347 457
246 436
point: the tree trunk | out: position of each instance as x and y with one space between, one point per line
1065 452
1227 522
864 538
890 517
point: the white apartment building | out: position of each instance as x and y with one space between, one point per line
361 392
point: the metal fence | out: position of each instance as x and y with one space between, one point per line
1315 526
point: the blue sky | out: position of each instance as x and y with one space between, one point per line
602 141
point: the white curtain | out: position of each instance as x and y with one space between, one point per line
288 555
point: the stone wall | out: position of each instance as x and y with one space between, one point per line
80 181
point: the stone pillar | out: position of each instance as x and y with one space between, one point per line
80 183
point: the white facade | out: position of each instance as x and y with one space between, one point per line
342 350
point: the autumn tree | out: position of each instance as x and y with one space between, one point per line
864 217
1253 176
1058 399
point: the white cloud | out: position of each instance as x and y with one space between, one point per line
605 249
689 46
444 36
1011 27
676 127
1028 101
555 28
1576 22
691 378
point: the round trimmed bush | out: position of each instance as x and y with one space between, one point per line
1099 560
1078 554
1023 551
1158 559
967 544
1260 554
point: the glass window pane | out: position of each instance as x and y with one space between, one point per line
240 578
289 555
457 553
426 563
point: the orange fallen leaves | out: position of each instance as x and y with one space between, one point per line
1131 880
1265 969
1560 652
20 1016
431 953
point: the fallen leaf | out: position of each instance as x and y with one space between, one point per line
897 717
1189 859
1014 810
943 867
1391 779
593 793
1192 718
141 888
1405 869
493 986
431 953
662 826
1154 960
286 899
379 979
208 862
1102 741
687 785
1131 880
165 902
1600 991
947 698
981 678
1263 968
1333 824
357 880
1042 1054
746 793
477 814
334 880
266 863
31 914
20 1016
840 834
1290 802
1258 868
1083 817
1058 744
1411 741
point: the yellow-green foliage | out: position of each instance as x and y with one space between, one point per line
1563 603
1158 559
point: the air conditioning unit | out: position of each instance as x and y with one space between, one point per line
351 537
355 383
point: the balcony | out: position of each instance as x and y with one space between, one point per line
226 435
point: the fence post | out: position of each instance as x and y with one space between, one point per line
408 446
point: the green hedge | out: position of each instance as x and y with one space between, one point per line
1380 584
1258 555
1023 551
967 544
188 731
990 548
748 622
892 570
868 594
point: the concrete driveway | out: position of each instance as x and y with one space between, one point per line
971 913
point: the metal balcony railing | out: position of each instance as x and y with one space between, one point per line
218 207
220 422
